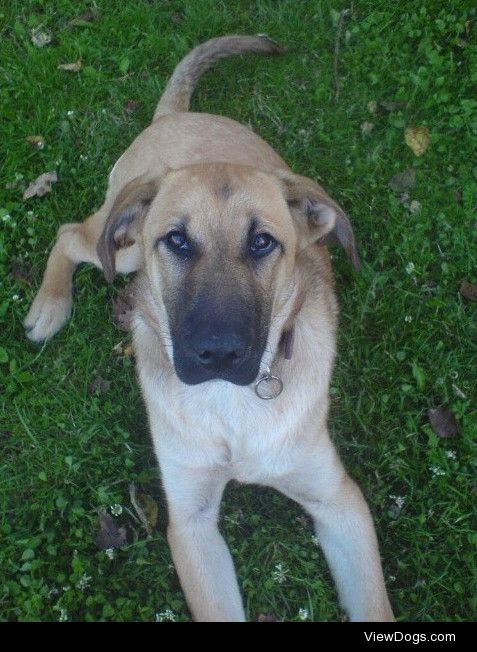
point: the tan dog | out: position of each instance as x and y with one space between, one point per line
234 305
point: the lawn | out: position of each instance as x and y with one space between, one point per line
73 431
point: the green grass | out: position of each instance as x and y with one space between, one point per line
407 339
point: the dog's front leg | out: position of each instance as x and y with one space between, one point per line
201 557
344 528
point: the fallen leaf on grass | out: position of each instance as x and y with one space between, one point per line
110 535
40 37
124 349
37 142
99 385
84 19
145 507
130 106
443 422
468 290
403 181
41 186
373 107
151 510
20 274
123 310
366 128
393 106
418 139
266 618
71 67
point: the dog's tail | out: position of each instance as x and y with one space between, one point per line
177 94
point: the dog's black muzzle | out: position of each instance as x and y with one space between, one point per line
218 342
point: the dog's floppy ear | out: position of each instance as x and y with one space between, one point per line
321 217
124 221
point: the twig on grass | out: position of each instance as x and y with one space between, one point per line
344 13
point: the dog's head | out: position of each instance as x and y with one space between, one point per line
220 244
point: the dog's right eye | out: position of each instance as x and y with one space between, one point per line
177 242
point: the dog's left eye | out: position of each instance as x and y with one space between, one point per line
261 244
177 242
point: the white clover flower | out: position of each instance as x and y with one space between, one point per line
436 471
110 554
166 615
16 297
116 510
70 113
392 578
399 500
303 614
279 575
408 319
315 540
7 217
84 582
451 455
63 616
410 267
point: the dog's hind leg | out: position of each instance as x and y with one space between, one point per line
75 244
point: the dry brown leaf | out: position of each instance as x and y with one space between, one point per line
373 107
145 507
130 106
19 273
468 290
37 142
443 422
99 385
87 17
40 37
366 127
393 106
71 67
41 186
403 181
110 535
418 139
124 349
151 511
267 618
123 310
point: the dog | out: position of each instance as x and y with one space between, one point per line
234 328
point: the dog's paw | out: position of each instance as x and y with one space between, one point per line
46 316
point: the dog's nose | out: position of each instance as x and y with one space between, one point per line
220 352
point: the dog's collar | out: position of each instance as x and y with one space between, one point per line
269 386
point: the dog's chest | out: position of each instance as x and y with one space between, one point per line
249 439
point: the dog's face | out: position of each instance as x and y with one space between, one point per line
220 244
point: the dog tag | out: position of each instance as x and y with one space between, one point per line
268 386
